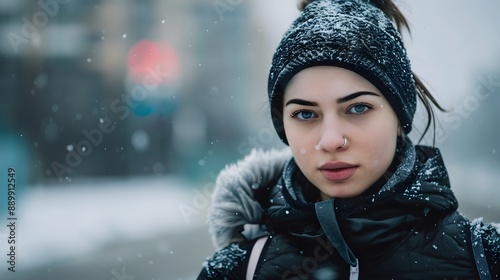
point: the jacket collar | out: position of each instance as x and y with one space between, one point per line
379 221
418 190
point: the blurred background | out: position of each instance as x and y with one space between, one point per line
118 115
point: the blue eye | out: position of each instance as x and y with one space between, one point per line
303 115
359 109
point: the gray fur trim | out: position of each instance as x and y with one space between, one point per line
233 204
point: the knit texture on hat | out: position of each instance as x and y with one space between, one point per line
352 34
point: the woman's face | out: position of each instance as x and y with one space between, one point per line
321 106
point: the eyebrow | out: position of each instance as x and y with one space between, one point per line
339 100
355 95
301 102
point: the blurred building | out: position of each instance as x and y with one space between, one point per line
114 88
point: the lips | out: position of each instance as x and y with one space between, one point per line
338 170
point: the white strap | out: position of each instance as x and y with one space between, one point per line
354 271
254 257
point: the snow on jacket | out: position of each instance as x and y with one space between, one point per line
405 227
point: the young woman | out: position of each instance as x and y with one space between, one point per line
355 199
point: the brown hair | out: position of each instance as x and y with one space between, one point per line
393 12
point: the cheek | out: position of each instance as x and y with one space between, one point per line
380 146
302 148
381 159
299 142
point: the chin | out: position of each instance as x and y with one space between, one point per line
346 189
338 194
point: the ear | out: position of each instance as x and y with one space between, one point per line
400 131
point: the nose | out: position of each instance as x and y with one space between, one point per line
332 136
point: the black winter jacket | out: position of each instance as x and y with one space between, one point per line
405 227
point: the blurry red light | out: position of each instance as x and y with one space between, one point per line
152 62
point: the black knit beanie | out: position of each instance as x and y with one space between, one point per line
352 34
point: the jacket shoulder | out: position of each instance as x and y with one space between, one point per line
436 249
229 262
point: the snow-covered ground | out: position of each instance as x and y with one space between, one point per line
60 222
